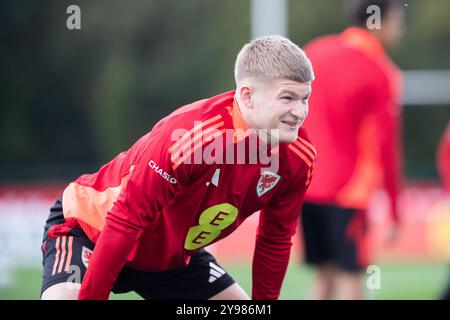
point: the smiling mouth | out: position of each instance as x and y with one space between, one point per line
292 124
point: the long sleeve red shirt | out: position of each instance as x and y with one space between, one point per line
354 120
149 208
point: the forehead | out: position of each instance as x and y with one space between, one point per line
291 85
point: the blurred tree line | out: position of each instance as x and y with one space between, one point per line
72 99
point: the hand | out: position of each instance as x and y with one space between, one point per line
393 234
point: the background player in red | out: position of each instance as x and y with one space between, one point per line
443 164
141 222
355 125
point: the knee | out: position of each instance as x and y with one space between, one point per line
62 291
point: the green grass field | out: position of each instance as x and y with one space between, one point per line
418 280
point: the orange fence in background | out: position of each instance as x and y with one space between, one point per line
424 232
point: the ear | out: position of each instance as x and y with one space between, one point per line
246 95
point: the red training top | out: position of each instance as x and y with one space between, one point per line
151 209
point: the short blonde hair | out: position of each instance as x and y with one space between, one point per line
273 57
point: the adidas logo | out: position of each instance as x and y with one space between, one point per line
215 178
215 272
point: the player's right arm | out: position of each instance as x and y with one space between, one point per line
142 198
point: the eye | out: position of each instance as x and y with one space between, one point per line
286 98
305 99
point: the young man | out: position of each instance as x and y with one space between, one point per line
141 222
355 124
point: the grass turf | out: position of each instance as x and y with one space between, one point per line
402 280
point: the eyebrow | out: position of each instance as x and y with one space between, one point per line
284 91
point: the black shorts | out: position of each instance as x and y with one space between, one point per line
66 257
335 235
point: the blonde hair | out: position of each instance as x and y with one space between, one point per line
273 57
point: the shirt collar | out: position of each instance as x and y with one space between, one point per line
238 120
363 40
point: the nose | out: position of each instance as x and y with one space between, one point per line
299 111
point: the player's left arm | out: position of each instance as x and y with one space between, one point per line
278 224
388 119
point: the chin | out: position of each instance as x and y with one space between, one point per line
288 137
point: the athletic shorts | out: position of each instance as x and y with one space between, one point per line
335 235
66 257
